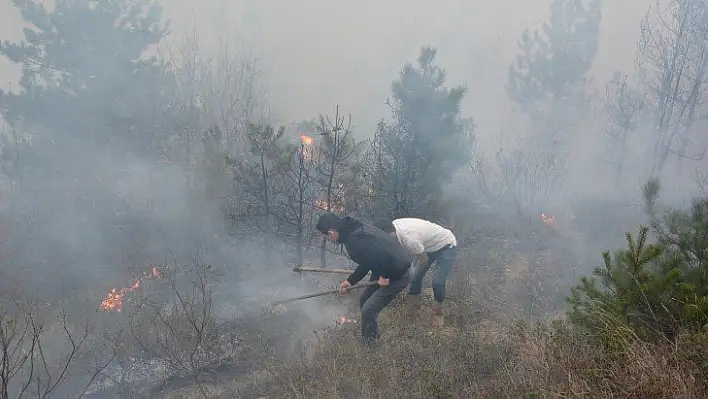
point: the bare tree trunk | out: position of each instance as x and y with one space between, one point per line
266 201
330 182
620 160
301 200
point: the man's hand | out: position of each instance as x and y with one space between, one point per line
423 259
344 287
384 282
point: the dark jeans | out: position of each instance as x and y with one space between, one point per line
373 300
445 258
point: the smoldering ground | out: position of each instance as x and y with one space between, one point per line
96 218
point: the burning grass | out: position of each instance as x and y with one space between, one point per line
115 299
483 351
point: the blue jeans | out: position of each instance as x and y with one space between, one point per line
372 301
445 258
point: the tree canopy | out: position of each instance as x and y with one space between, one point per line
425 141
85 58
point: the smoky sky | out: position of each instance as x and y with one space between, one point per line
318 53
314 54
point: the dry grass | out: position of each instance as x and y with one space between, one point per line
483 351
475 355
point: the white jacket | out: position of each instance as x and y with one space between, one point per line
419 236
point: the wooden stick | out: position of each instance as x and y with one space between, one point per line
308 296
321 270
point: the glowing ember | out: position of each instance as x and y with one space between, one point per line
548 220
114 299
344 320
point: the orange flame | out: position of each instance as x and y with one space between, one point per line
305 150
114 299
306 140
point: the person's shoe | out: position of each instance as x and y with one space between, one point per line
438 316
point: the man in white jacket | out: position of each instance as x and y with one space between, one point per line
429 242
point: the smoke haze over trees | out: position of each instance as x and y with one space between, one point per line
159 179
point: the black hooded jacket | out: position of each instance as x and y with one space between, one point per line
373 250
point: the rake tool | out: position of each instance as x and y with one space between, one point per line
321 270
323 293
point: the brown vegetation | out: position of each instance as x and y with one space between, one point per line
483 351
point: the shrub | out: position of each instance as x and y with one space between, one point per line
654 289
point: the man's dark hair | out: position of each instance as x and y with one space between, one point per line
326 222
385 225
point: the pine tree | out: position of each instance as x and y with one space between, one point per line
555 61
549 82
424 143
84 69
655 289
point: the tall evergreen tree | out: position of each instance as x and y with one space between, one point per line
84 69
425 141
549 83
555 61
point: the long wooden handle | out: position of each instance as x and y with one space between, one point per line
321 270
330 292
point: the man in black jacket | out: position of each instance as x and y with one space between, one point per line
372 250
